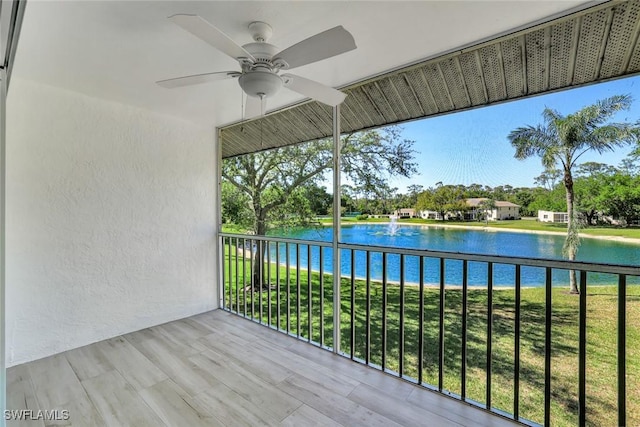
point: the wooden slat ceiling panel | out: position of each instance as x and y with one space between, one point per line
596 44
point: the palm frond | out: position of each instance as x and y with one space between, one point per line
598 113
612 135
529 141
550 157
550 115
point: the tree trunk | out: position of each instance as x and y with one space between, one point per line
257 264
571 242
590 216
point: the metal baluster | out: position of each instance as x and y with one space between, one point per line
463 367
224 290
298 289
260 274
228 279
516 349
489 330
401 328
278 285
288 277
622 350
244 276
251 281
384 310
321 296
269 283
441 329
547 349
367 352
237 277
309 292
353 303
582 350
421 322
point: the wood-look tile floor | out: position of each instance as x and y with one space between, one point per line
216 369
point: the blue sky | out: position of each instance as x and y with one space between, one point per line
472 146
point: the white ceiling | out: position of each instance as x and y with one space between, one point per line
116 50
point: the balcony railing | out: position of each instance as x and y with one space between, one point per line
452 322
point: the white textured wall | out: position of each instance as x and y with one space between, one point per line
110 220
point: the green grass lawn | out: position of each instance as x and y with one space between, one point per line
292 294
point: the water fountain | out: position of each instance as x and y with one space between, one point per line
392 229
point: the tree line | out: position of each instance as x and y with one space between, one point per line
602 191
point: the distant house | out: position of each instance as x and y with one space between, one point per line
405 213
502 210
549 216
432 215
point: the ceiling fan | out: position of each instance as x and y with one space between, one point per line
261 62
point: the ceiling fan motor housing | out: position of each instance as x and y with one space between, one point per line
259 79
262 52
260 83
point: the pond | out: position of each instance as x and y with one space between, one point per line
480 241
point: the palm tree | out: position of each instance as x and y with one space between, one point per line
562 140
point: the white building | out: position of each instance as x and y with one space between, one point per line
427 214
549 216
405 213
502 211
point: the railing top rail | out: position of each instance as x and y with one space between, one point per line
502 259
496 259
278 239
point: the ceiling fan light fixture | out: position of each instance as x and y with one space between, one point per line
260 83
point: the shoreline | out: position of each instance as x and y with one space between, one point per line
621 239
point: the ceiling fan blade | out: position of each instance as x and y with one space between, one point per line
324 45
255 107
210 34
313 89
197 79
